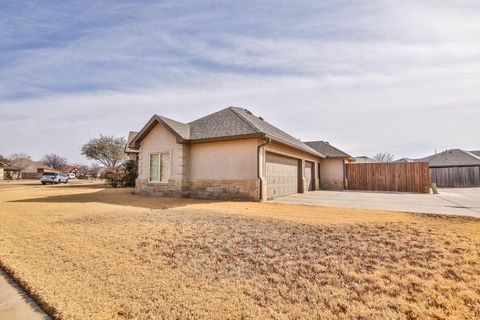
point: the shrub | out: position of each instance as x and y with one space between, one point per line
7 175
131 171
116 178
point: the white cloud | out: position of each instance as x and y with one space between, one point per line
367 76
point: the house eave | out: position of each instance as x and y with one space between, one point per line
316 154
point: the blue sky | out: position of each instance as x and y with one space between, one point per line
368 76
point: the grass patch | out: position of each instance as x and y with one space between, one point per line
94 253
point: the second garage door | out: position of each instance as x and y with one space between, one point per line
282 175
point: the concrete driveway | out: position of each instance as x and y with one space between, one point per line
460 201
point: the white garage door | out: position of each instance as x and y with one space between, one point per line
282 175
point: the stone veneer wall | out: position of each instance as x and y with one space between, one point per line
171 189
225 189
332 184
203 189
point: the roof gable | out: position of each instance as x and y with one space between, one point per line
180 130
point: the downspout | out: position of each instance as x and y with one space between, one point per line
268 141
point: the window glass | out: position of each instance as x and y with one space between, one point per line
154 167
164 167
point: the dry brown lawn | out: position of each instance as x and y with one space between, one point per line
85 252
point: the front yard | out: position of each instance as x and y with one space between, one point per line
85 252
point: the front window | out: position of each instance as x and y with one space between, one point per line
159 167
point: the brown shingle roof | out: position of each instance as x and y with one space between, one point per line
224 123
182 129
273 132
229 123
327 149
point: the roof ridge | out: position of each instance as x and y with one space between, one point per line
162 117
470 154
254 127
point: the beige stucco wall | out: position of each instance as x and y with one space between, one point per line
332 174
160 139
225 160
1 173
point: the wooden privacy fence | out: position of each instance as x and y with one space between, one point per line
460 177
400 177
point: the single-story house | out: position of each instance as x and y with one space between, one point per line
229 154
454 168
364 159
332 168
404 160
6 168
69 169
452 158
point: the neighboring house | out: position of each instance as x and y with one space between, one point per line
452 158
30 169
69 169
132 154
230 154
404 160
43 169
454 168
364 159
6 168
332 168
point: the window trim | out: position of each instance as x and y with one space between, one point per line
166 151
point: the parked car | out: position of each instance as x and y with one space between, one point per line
71 176
83 176
54 178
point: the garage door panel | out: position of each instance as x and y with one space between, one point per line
308 174
282 175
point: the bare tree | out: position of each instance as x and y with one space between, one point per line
54 160
4 159
20 160
383 157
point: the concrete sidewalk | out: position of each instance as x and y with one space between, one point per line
465 202
15 304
